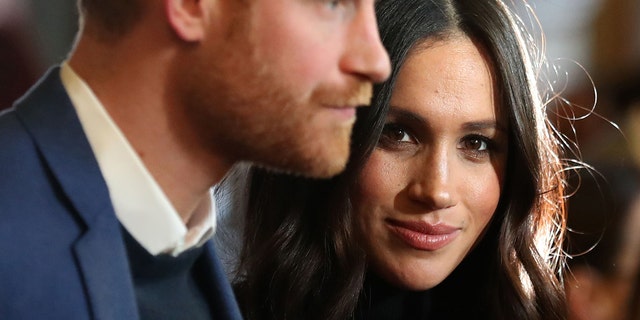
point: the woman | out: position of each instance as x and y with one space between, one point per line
452 203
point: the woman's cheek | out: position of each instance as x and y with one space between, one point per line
376 180
485 190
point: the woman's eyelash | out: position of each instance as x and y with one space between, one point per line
479 147
397 132
479 142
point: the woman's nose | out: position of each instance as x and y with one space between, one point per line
433 182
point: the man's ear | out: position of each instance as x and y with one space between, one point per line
187 18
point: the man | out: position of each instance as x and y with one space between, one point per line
107 163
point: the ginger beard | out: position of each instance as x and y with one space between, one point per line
250 103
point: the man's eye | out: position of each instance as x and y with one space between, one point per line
332 4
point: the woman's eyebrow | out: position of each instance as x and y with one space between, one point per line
483 125
406 115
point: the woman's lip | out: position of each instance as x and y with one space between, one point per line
423 236
424 227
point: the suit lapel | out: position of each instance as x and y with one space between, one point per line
49 116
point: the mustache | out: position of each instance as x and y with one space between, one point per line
357 93
361 94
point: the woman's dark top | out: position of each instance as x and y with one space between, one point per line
381 301
463 295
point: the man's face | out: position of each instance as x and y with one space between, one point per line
277 81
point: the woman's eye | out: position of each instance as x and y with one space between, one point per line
476 144
477 147
396 137
396 133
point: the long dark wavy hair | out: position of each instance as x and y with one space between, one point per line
301 259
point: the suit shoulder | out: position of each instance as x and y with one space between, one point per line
14 137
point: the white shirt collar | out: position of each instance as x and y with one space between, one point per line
139 203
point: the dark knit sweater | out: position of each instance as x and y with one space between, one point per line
166 287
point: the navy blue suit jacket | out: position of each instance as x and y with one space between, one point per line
62 254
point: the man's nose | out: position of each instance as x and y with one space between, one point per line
366 56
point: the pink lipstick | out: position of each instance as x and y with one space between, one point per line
423 236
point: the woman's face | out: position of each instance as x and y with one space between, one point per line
431 186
